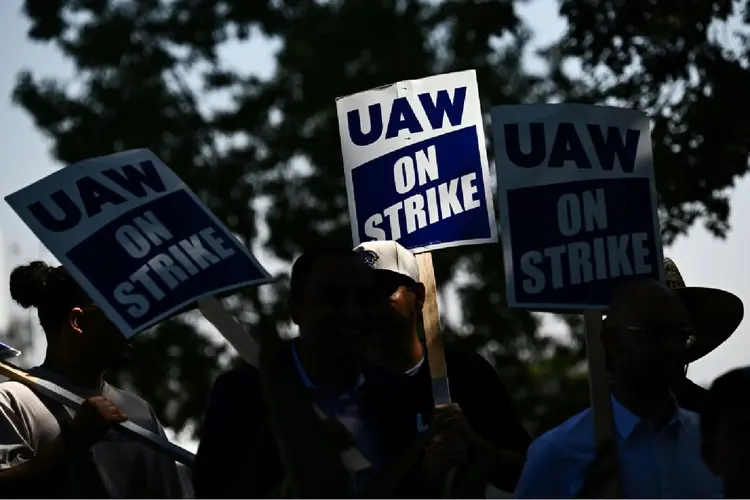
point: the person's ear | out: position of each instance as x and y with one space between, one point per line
75 318
419 294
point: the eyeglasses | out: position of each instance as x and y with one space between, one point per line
680 337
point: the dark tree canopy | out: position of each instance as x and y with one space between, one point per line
693 69
276 145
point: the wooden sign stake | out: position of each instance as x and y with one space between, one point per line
601 405
441 393
433 334
72 400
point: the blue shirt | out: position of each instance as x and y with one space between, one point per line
346 409
653 463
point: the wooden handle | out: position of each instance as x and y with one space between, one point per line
72 400
433 331
433 334
601 404
230 329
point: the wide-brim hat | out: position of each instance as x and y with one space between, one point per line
715 313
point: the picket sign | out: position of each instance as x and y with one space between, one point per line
67 398
419 175
141 245
392 152
72 400
246 345
138 240
416 172
565 174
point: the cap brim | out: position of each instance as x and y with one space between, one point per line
394 274
715 314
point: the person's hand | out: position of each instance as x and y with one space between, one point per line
93 419
444 451
602 475
451 418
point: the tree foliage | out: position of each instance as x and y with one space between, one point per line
265 151
686 63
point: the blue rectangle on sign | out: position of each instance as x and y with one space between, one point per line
163 255
424 194
577 242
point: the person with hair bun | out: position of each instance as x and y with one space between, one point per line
50 451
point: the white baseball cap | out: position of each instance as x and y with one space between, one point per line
390 256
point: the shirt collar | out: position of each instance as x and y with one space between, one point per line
626 421
309 383
415 369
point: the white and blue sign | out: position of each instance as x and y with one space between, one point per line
135 237
415 163
578 210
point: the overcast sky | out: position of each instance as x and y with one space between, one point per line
703 260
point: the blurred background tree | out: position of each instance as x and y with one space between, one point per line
268 163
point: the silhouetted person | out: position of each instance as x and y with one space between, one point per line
715 315
725 426
238 456
657 449
480 427
49 451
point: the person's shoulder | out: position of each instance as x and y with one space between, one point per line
21 402
13 393
545 454
556 456
460 351
236 398
239 383
464 358
473 376
577 431
18 396
242 376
